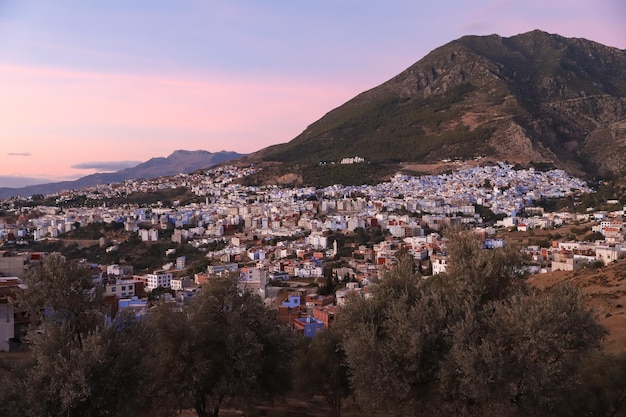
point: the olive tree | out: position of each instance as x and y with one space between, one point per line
61 292
519 354
225 349
474 341
320 369
81 365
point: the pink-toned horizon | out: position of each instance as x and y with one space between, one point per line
83 82
57 115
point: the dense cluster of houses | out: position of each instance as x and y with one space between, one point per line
274 235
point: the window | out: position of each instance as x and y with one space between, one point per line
112 289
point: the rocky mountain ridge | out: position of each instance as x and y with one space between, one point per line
534 98
180 161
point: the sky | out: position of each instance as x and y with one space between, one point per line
97 86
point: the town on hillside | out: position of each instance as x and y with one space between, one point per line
303 250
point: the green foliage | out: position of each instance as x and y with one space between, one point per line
98 373
80 366
577 231
329 287
389 128
158 293
61 292
604 191
544 243
518 351
591 237
320 369
368 236
164 197
487 214
542 166
225 349
133 251
491 274
599 388
348 174
596 265
474 341
94 231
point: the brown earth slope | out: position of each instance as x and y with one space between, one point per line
605 289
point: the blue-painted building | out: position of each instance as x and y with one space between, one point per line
134 304
309 325
292 302
494 243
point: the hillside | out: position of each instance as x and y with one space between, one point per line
534 98
605 289
178 162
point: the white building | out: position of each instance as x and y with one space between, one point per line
157 279
570 263
316 240
120 288
439 264
354 160
308 271
342 294
222 269
151 235
607 254
179 284
254 280
355 222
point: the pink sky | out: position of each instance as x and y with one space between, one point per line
87 82
52 118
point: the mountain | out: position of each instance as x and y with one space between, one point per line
178 162
532 99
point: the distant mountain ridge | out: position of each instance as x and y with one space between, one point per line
180 161
532 98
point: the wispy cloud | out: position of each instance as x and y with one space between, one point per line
20 154
106 165
94 53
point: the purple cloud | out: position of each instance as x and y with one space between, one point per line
106 165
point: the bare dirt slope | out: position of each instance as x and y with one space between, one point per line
605 289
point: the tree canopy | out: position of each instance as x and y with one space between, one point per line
225 349
320 369
81 366
475 341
